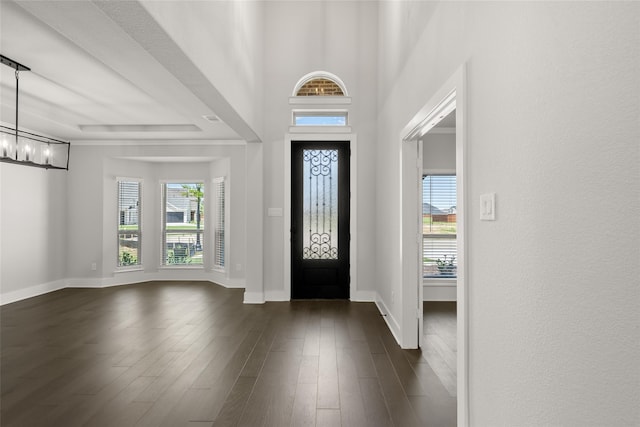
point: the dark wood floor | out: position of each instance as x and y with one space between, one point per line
440 342
176 354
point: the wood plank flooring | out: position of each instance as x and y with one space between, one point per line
440 342
192 354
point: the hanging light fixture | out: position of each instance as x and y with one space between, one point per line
26 148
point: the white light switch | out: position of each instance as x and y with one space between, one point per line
488 207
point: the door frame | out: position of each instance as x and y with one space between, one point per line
353 174
451 93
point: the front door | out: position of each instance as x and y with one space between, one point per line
320 219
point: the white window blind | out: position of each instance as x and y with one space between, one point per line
219 195
439 245
129 232
183 223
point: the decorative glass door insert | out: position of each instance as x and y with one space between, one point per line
320 201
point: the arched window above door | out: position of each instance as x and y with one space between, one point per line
320 83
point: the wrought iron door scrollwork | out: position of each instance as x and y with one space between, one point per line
321 205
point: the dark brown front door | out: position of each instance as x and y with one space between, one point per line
320 234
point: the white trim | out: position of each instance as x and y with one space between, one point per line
171 142
320 75
316 130
320 100
31 291
223 269
140 264
279 295
451 95
439 292
391 321
442 131
364 296
353 206
254 298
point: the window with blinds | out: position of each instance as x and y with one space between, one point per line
220 220
439 248
183 224
129 231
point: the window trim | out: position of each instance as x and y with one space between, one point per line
440 278
139 264
343 113
163 225
319 75
224 268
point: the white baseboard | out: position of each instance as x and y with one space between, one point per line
254 298
392 323
119 279
439 292
364 296
277 296
32 291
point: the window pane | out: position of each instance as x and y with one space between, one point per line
183 248
128 223
183 237
129 249
320 204
439 226
321 120
219 233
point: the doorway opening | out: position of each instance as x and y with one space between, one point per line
449 99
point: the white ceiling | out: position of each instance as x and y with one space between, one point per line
90 80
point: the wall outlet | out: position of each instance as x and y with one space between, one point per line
94 266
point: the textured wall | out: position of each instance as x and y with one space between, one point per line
553 129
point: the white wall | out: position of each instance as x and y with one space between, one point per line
301 37
225 41
92 197
439 153
553 129
33 233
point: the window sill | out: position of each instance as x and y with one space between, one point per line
181 267
129 269
319 129
440 281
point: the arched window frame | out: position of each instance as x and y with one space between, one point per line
326 106
320 75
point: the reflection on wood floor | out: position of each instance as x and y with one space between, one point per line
440 344
191 353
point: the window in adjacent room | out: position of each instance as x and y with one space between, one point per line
439 229
183 223
129 230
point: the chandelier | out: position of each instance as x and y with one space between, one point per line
27 148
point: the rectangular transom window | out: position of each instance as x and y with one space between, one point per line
183 223
129 232
319 118
439 230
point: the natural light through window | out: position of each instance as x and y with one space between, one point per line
129 233
439 230
219 195
320 118
183 224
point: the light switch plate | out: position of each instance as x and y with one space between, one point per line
274 212
488 207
